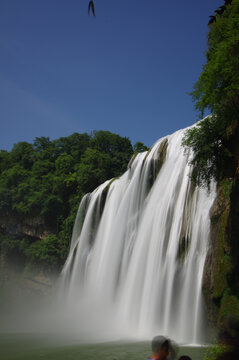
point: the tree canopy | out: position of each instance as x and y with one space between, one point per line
47 179
217 90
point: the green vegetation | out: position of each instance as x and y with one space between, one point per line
213 352
215 145
44 252
213 139
229 307
140 147
223 265
45 181
227 187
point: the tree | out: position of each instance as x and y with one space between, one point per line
22 153
94 169
74 145
44 252
139 147
47 179
213 139
118 148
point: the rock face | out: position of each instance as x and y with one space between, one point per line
15 280
27 226
217 264
221 272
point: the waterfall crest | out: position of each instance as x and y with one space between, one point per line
139 244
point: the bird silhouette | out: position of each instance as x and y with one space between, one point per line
91 7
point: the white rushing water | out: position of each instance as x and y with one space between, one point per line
139 244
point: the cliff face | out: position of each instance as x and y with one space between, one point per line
17 277
221 272
25 226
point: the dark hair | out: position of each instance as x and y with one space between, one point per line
158 342
184 357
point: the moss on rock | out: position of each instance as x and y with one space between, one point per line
229 307
222 265
220 284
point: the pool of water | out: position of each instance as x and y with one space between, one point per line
30 347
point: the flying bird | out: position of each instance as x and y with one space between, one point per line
91 7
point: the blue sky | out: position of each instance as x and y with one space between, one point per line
129 70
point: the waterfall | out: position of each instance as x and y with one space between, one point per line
139 244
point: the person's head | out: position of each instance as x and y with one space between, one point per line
184 357
160 347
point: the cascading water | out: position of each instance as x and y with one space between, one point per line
139 244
